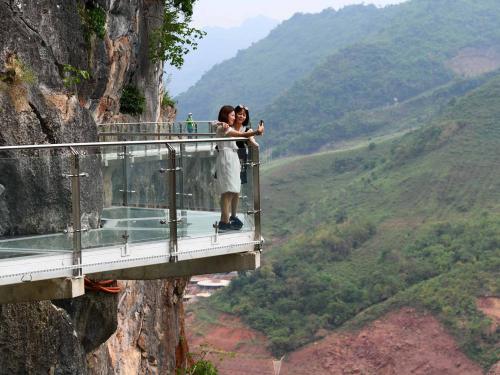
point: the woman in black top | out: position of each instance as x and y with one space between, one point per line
241 124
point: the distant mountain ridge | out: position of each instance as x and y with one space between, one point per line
410 55
364 58
269 67
218 45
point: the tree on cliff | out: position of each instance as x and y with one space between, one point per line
175 38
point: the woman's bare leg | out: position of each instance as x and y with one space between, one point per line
235 199
225 203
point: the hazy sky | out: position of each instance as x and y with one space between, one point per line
227 13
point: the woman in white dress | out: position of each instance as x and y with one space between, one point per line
227 165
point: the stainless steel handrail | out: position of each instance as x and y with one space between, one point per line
151 134
119 143
154 122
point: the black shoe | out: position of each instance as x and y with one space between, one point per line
224 226
235 222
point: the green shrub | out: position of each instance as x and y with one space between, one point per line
17 72
203 367
132 101
73 76
93 19
167 101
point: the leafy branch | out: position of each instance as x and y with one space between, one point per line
132 101
93 19
167 101
73 76
175 38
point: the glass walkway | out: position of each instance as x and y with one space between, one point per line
121 209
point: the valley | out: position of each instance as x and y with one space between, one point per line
403 224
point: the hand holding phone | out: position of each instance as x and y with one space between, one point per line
260 129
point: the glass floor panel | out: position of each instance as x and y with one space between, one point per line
134 224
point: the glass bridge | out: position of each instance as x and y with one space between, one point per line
142 209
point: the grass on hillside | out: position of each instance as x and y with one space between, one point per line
414 220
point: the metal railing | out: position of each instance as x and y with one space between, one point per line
172 164
156 130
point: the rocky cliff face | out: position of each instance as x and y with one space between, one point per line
42 45
149 338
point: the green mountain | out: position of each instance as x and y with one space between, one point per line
263 71
419 49
314 74
410 220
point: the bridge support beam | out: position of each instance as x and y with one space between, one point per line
201 266
42 290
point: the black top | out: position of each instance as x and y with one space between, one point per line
242 144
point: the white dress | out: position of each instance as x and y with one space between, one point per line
227 165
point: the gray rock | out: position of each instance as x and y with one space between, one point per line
4 212
43 36
36 338
93 316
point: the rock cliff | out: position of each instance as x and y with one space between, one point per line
59 76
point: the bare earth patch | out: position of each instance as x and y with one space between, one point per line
472 62
402 342
230 335
490 306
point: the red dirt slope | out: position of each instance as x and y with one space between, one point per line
231 336
402 342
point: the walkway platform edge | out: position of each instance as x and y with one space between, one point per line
42 290
218 264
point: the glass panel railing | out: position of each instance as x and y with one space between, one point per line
197 201
35 203
134 195
246 206
197 191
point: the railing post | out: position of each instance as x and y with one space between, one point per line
256 194
180 164
75 212
125 177
172 204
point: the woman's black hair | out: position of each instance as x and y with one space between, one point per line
238 109
224 113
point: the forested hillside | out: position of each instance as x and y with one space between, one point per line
314 76
414 53
263 71
408 221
